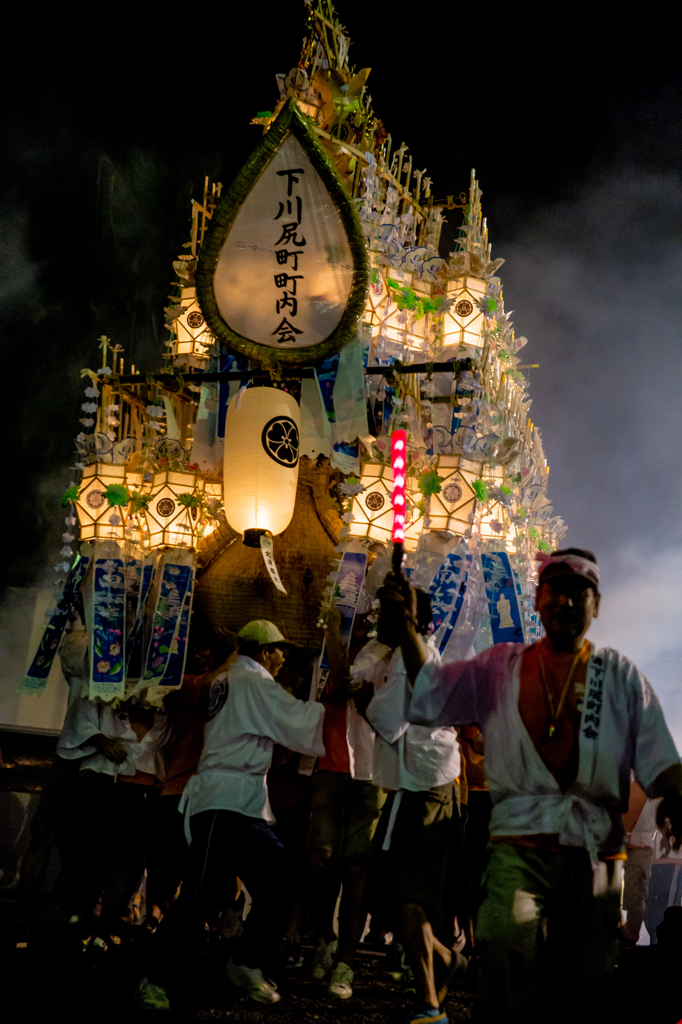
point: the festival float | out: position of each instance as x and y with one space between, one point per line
312 319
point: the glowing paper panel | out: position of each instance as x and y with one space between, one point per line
283 271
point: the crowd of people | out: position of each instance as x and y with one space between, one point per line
479 810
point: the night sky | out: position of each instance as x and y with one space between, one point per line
572 131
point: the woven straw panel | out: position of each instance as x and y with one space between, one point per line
235 586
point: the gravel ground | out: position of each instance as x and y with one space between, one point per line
50 975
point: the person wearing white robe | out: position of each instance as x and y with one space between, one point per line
419 765
572 897
228 814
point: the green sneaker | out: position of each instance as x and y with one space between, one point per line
149 996
341 982
323 959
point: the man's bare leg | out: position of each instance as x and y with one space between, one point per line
420 944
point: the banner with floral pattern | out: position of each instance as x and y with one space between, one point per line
35 679
107 653
175 669
135 640
175 583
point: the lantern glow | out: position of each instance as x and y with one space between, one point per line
261 462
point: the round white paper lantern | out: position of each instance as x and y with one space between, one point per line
262 430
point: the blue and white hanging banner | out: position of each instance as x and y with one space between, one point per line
468 616
135 640
35 679
348 586
175 669
447 593
176 580
107 643
503 600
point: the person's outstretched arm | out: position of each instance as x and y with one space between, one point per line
399 602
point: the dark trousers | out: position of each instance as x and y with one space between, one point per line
169 853
115 822
227 845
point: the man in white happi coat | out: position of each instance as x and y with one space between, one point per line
229 820
420 831
564 724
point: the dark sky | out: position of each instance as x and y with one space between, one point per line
571 129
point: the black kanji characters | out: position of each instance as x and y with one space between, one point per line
299 209
287 332
291 179
284 254
282 279
289 235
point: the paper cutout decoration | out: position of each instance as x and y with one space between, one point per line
100 448
282 272
262 439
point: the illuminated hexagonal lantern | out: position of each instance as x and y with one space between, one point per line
192 335
97 519
174 512
451 509
384 317
373 510
464 323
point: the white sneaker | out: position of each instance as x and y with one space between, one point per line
341 982
252 982
323 959
151 997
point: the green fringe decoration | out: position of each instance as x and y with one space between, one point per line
480 490
117 494
139 502
69 496
429 483
189 500
544 545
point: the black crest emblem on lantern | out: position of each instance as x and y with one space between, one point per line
464 308
96 499
375 501
194 319
166 507
280 441
452 493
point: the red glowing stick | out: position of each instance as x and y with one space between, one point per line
399 467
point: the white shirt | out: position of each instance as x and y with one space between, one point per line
370 666
622 728
248 713
85 719
412 757
644 832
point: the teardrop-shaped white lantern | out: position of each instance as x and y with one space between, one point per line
262 429
282 274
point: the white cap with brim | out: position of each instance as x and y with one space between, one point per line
261 632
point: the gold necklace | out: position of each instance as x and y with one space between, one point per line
555 714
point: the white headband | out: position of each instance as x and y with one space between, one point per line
577 564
